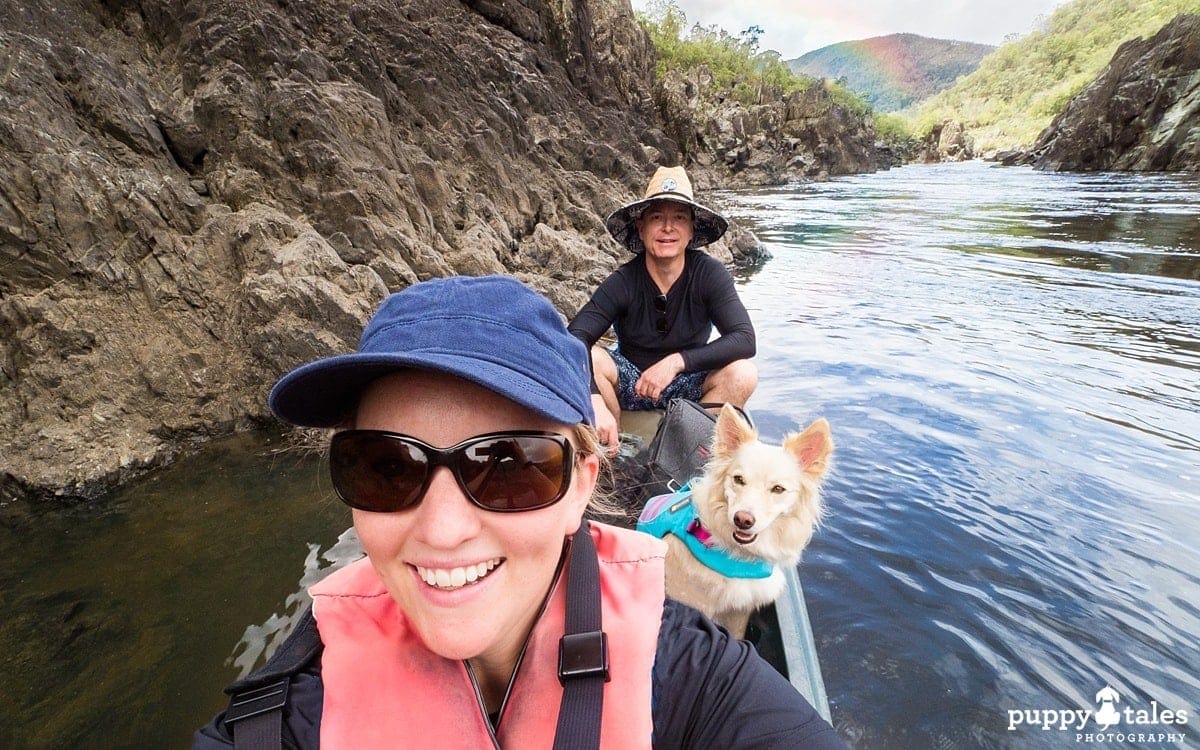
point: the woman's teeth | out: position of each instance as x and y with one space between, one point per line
454 578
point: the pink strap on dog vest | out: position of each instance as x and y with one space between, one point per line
384 688
696 529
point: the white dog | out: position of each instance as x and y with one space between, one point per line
754 509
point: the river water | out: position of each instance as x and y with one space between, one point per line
1011 364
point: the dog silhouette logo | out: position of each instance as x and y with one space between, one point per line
1108 714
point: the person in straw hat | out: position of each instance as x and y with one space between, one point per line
663 305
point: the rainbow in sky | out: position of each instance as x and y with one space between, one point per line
894 71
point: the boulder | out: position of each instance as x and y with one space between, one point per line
947 141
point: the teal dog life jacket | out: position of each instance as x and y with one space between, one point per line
676 514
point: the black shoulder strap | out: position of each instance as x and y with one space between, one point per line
583 650
255 713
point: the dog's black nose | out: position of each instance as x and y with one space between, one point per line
743 520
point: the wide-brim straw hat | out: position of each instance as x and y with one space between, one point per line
667 184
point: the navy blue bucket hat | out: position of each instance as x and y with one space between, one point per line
491 330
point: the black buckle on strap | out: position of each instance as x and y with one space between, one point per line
583 655
257 701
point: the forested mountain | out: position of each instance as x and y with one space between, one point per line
891 72
1019 88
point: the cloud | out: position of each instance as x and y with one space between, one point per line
793 27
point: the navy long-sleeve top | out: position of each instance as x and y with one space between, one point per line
704 296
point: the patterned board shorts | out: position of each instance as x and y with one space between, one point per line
685 385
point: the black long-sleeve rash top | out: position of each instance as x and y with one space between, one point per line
703 296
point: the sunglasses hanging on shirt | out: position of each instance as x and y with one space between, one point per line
660 307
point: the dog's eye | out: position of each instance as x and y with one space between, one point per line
738 479
778 489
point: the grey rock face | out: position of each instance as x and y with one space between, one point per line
1142 113
948 141
197 195
803 135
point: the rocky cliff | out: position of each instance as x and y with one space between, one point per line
805 134
947 141
1142 113
196 195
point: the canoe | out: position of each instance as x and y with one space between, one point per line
782 632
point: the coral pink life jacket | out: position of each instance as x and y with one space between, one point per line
385 689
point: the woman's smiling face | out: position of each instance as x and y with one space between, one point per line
470 581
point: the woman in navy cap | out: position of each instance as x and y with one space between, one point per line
487 612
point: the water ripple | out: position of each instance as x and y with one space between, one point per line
1010 364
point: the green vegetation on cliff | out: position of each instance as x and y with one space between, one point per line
1019 88
735 62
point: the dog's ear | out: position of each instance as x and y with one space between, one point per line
812 448
732 432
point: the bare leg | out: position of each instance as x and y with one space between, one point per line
734 383
605 404
606 379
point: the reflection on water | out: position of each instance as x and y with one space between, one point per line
1011 365
1121 223
1010 362
1147 225
121 619
262 639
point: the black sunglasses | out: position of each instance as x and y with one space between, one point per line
660 307
385 472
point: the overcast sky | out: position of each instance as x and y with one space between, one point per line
793 27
